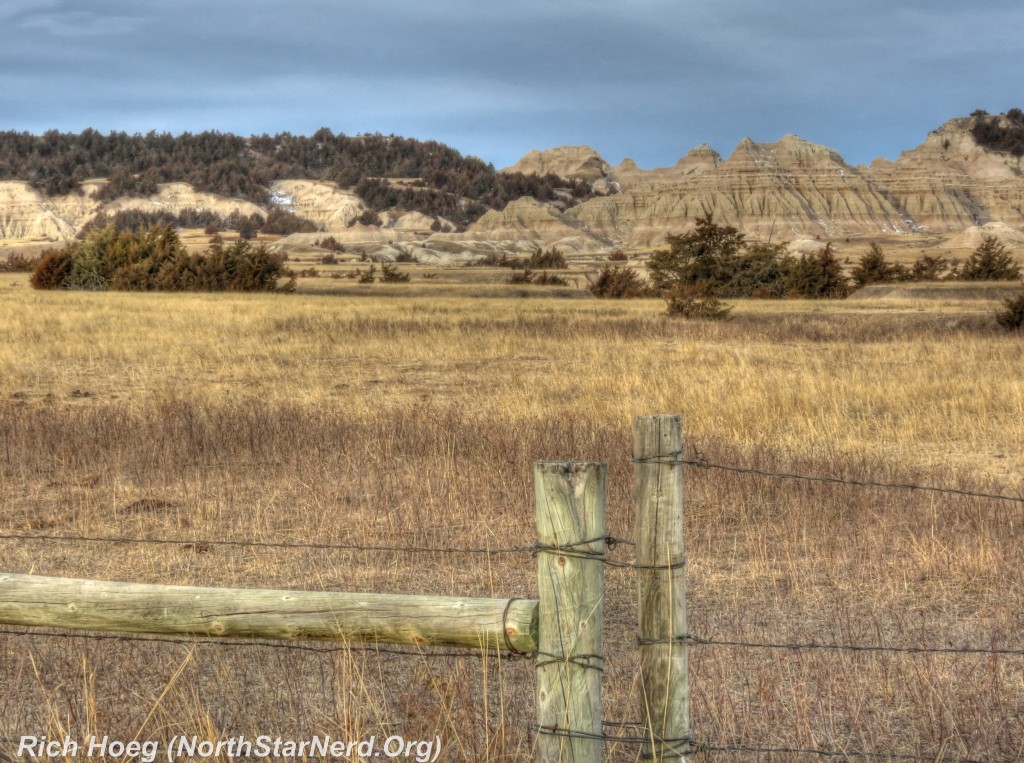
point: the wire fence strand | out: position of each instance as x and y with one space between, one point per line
704 748
701 462
264 544
691 639
263 644
676 458
842 753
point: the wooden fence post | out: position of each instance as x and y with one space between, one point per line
571 503
661 557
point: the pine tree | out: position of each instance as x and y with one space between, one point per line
1011 317
874 268
703 255
929 268
990 262
819 276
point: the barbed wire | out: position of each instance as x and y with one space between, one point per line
265 544
264 644
676 458
705 748
701 747
673 458
691 639
584 661
558 731
569 550
574 550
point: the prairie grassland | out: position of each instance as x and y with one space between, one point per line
403 418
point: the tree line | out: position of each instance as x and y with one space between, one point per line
459 188
277 221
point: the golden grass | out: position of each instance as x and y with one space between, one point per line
919 381
407 417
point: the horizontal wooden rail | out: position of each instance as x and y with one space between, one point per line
32 600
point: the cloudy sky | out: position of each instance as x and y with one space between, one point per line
646 79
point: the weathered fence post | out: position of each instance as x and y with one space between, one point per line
661 558
571 504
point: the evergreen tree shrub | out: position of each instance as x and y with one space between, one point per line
818 276
991 261
281 222
551 259
620 283
542 278
696 257
696 302
760 270
52 271
872 267
1011 317
18 263
390 273
155 259
929 267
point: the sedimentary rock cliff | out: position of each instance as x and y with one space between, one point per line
950 183
787 189
793 189
527 224
176 198
698 161
331 208
27 214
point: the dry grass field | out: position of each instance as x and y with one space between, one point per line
411 417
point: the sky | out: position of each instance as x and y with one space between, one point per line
644 79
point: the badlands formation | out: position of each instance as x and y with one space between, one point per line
793 190
948 191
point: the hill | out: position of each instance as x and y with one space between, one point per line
440 180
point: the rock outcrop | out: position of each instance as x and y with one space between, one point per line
572 162
796 190
29 215
698 161
950 183
322 203
180 197
783 190
526 224
417 222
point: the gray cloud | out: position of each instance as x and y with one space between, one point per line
648 79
